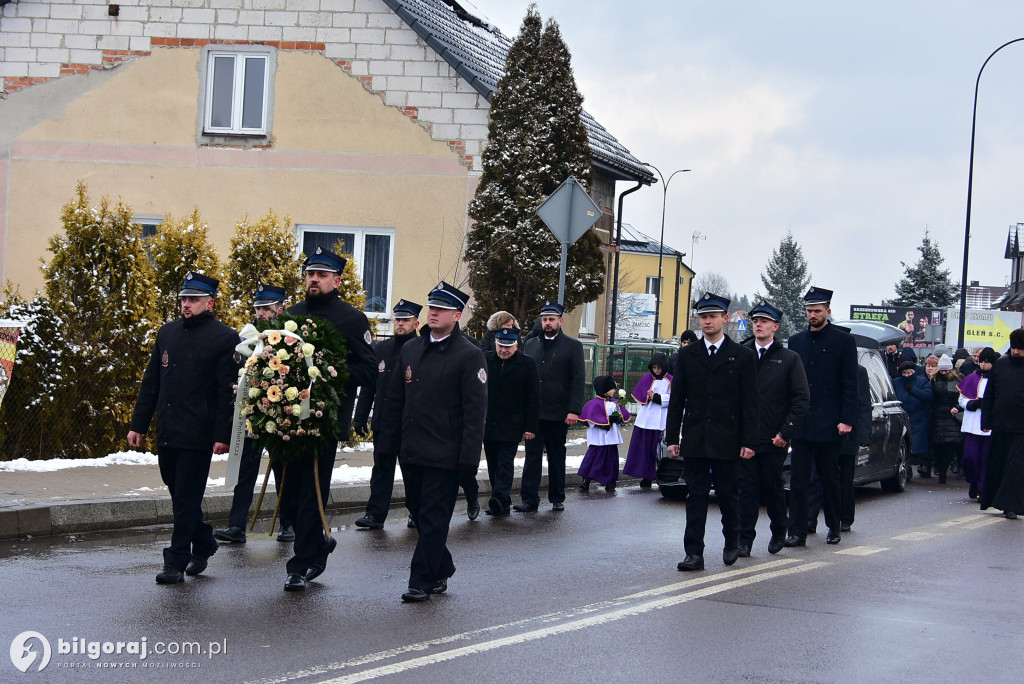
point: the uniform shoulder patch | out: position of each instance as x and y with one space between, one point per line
367 337
408 373
381 367
165 359
481 375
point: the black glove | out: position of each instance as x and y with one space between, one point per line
973 404
908 385
656 399
614 419
606 428
360 428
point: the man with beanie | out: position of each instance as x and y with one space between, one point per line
188 385
1002 409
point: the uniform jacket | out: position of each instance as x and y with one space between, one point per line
188 384
437 401
782 392
1002 407
715 401
387 352
513 397
916 394
560 366
861 433
945 429
829 356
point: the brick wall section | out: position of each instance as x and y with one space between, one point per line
44 40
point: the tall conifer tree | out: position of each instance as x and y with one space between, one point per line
180 246
926 283
785 280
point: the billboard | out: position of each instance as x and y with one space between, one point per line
8 348
922 326
635 318
984 328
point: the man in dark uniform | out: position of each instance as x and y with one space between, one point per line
513 411
560 366
188 384
268 302
1001 409
406 315
784 398
434 421
323 276
829 355
714 399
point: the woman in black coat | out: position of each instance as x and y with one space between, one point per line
944 427
915 392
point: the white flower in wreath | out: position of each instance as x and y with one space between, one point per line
308 349
314 372
291 326
270 426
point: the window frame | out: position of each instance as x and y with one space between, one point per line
205 129
359 234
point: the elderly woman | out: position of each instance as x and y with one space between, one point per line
497 321
915 391
944 418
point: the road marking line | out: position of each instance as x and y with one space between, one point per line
697 581
571 626
917 536
989 520
959 521
862 550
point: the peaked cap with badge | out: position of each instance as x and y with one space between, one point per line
552 308
406 309
198 285
765 310
447 296
818 295
324 260
267 295
712 303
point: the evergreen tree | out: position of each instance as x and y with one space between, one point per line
178 247
261 252
786 280
535 141
926 283
99 284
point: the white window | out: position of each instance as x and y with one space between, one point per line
654 286
588 323
150 224
237 91
373 250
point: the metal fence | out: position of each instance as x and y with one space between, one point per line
626 363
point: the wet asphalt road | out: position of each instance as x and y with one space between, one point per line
925 588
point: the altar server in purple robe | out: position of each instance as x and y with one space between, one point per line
652 393
603 416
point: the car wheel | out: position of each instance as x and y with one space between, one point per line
898 482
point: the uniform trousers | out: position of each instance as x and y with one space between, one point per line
501 458
248 473
847 494
551 436
701 474
185 472
310 547
382 484
430 494
760 478
825 457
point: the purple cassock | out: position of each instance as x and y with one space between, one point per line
601 462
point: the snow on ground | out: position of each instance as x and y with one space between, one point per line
143 458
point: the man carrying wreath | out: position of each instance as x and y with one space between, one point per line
188 385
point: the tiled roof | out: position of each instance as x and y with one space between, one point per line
635 242
477 50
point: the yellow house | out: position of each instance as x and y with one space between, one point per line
362 121
646 266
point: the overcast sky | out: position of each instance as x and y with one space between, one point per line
847 122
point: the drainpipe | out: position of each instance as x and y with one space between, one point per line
615 277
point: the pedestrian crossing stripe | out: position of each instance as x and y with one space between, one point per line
862 550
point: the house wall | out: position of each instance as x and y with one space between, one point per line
634 269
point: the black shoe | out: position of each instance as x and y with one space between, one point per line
524 508
170 575
1009 515
924 471
440 587
559 506
414 595
287 534
411 524
645 483
369 522
744 550
233 534
729 556
691 562
314 571
199 562
295 582
776 544
812 527
793 540
494 507
845 527
942 477
610 487
833 536
972 491
585 485
473 510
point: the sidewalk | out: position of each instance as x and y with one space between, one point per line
87 499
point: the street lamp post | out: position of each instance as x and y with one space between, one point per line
970 186
661 241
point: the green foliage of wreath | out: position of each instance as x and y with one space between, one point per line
283 384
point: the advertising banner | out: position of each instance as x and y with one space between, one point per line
984 328
635 318
8 348
922 326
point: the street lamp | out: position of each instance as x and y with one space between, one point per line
970 185
661 241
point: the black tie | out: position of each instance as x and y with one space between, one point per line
763 350
711 351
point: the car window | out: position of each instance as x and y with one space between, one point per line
878 378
